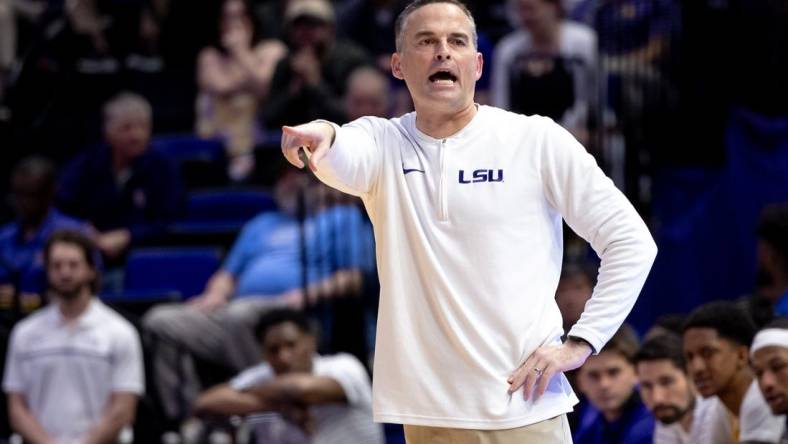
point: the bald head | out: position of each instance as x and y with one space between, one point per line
367 94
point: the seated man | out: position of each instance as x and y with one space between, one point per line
667 390
769 356
128 191
22 241
325 398
716 344
615 414
264 269
74 369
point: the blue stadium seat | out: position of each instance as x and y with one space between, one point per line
222 210
167 270
182 147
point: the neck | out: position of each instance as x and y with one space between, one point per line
612 415
73 308
30 227
733 395
119 163
440 125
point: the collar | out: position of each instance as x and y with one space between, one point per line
467 131
90 317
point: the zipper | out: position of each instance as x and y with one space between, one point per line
443 211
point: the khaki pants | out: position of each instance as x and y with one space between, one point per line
551 431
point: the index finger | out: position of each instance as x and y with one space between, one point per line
291 144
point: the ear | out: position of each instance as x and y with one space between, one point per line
479 65
396 67
743 353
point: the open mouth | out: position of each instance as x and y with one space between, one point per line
443 76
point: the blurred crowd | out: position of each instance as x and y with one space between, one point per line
140 142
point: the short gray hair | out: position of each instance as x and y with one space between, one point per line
399 24
126 103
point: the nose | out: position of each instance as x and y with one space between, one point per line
658 394
767 380
442 51
695 365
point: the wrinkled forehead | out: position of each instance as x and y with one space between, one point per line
439 18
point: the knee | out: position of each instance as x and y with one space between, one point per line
159 318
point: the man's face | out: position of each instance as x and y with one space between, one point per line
608 380
534 14
771 369
68 271
712 362
311 32
571 296
128 135
438 59
665 389
287 349
366 96
31 197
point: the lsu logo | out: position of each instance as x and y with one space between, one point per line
482 176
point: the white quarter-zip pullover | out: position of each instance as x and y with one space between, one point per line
469 246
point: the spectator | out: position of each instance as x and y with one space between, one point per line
773 257
234 78
367 94
716 340
546 67
74 369
128 191
310 82
616 414
370 23
671 323
22 241
263 270
667 390
574 289
327 398
769 355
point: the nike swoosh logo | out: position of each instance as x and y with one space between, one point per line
413 170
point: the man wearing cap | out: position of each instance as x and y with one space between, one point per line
310 82
769 358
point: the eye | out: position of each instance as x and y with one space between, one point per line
458 42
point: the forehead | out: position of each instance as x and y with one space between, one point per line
698 336
66 251
282 333
763 355
437 18
606 360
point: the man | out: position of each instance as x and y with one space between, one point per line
366 94
466 202
667 390
616 414
716 344
264 269
128 191
769 356
22 241
325 398
310 81
74 369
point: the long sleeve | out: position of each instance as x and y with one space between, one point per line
596 210
354 161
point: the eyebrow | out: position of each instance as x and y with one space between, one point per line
460 35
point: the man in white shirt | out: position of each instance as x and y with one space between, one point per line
716 344
769 357
296 396
74 369
466 203
667 390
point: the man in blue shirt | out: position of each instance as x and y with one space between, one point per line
128 191
22 241
275 261
615 414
